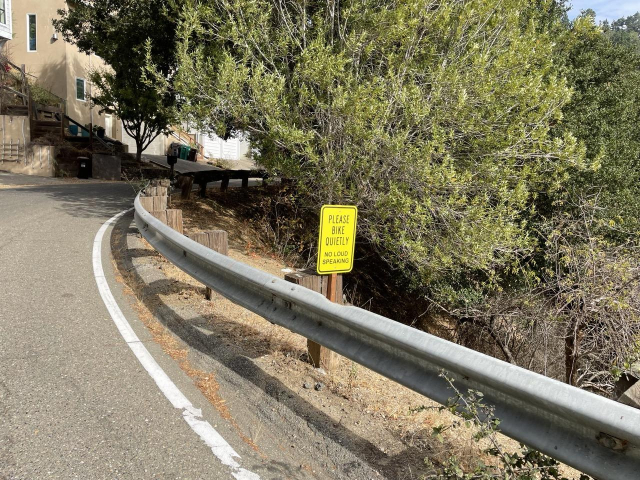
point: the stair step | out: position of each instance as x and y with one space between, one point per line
18 110
42 133
47 123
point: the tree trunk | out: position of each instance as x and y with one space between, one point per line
506 351
138 151
572 342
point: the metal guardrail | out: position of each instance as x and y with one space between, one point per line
593 434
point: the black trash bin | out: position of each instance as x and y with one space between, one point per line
84 168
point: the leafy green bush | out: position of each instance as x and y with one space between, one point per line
471 134
42 96
432 118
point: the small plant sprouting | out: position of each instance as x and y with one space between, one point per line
527 464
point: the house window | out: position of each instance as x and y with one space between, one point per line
80 89
3 12
31 32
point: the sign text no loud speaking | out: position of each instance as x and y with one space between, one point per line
336 244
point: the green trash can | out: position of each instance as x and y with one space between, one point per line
184 152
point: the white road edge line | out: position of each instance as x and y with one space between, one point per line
193 416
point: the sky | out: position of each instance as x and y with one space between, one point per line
605 9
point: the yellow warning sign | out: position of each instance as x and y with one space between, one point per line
336 245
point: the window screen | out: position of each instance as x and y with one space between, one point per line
31 24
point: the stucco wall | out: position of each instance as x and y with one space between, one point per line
18 155
48 62
157 147
55 63
78 66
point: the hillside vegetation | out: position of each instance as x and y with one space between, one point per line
491 146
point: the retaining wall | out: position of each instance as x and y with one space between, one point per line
18 154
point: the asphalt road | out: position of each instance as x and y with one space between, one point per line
76 403
74 400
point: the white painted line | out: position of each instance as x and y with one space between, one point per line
193 416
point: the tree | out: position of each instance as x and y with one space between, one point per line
125 34
453 126
626 31
433 118
631 23
578 319
603 114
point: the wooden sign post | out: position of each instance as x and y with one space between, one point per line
319 356
336 247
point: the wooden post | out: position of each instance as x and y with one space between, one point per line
174 220
187 184
245 181
23 77
171 217
160 215
154 204
332 281
217 240
331 287
147 203
203 189
225 184
159 203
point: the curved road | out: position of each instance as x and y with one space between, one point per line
74 400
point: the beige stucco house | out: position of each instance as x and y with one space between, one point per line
28 38
50 61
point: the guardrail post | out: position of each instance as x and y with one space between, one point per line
170 217
203 189
224 185
154 204
319 356
186 183
156 191
155 201
217 240
174 220
160 215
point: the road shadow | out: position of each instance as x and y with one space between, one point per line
239 360
85 200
